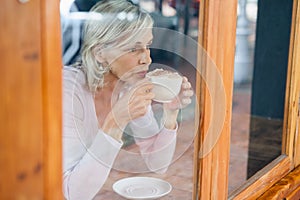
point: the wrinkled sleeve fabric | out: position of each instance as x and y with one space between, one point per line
88 153
158 149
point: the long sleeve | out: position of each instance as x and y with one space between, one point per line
88 153
158 148
86 176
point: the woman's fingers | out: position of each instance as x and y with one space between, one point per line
186 101
138 109
188 93
186 85
140 100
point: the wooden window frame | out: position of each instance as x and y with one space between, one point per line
217 25
31 106
51 64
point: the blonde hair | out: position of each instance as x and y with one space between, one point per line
112 23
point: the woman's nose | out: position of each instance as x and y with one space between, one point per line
145 56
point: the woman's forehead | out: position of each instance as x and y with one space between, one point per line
143 38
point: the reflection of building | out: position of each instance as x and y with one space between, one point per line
258 107
270 71
242 63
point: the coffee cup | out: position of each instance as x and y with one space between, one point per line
166 84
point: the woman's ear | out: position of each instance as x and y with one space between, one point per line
98 53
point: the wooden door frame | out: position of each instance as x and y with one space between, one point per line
31 100
51 64
217 25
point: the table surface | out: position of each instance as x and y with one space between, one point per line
179 173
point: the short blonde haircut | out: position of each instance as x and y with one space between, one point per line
114 23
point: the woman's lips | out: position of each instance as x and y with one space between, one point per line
142 74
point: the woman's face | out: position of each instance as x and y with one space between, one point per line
131 63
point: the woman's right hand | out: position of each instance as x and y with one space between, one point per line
133 104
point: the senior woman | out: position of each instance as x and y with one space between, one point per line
107 92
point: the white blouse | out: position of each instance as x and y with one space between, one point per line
89 153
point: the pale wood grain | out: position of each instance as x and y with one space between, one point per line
30 147
291 119
52 99
217 37
21 115
288 187
295 195
263 179
296 65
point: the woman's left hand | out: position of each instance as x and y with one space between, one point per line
183 99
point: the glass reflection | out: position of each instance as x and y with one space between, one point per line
262 45
180 171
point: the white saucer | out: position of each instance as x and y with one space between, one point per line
141 188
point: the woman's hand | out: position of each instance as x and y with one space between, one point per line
183 99
133 104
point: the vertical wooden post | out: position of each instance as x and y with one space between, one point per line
30 100
217 29
291 139
52 98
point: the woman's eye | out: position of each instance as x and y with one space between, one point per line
132 50
135 49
